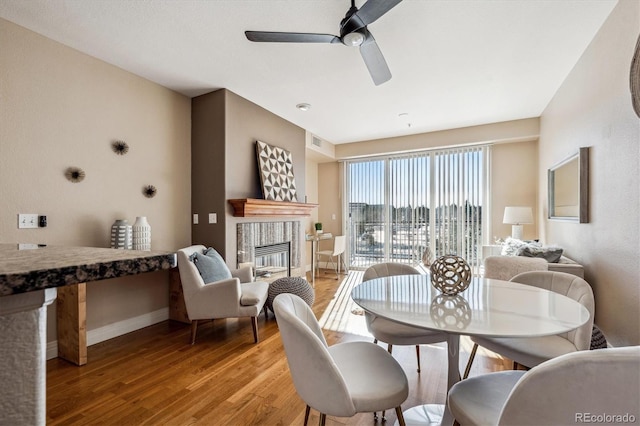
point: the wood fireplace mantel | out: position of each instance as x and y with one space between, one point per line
253 207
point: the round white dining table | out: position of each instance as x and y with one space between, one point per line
488 307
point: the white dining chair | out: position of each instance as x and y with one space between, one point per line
570 389
390 332
531 351
339 246
339 380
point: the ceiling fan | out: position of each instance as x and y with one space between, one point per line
353 32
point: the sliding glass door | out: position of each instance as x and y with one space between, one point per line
366 212
401 208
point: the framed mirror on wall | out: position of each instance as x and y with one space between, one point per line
568 190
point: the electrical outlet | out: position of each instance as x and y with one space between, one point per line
27 220
195 218
213 218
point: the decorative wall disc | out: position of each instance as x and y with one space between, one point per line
120 147
74 174
149 191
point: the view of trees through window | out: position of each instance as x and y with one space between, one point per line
400 207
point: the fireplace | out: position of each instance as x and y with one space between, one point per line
272 248
272 259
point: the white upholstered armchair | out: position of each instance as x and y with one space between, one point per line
234 297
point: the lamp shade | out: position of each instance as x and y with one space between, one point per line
517 215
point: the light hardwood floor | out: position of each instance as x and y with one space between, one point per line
155 377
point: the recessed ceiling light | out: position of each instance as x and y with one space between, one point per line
405 116
303 107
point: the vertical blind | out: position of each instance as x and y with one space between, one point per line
399 208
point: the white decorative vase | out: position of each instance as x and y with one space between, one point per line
141 234
121 235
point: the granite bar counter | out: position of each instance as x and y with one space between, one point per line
30 269
31 277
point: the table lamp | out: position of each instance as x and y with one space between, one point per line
516 216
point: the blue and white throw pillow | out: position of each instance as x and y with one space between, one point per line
211 266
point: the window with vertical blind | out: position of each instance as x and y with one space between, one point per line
399 207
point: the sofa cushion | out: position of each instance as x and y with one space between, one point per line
211 266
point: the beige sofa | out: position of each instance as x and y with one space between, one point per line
506 267
567 265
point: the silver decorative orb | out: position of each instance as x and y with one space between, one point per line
450 274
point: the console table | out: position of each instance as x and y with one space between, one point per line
30 278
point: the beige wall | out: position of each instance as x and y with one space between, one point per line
245 123
226 128
330 200
593 108
208 178
61 108
514 171
311 175
508 131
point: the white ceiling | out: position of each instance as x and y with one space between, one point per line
455 63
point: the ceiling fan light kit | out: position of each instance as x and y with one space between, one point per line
353 33
353 39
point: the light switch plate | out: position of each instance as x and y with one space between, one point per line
195 218
213 218
27 220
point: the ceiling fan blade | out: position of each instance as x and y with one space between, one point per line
374 9
374 60
278 37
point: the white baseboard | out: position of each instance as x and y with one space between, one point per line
320 265
116 329
52 349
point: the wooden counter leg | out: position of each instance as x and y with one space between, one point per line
177 308
72 323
